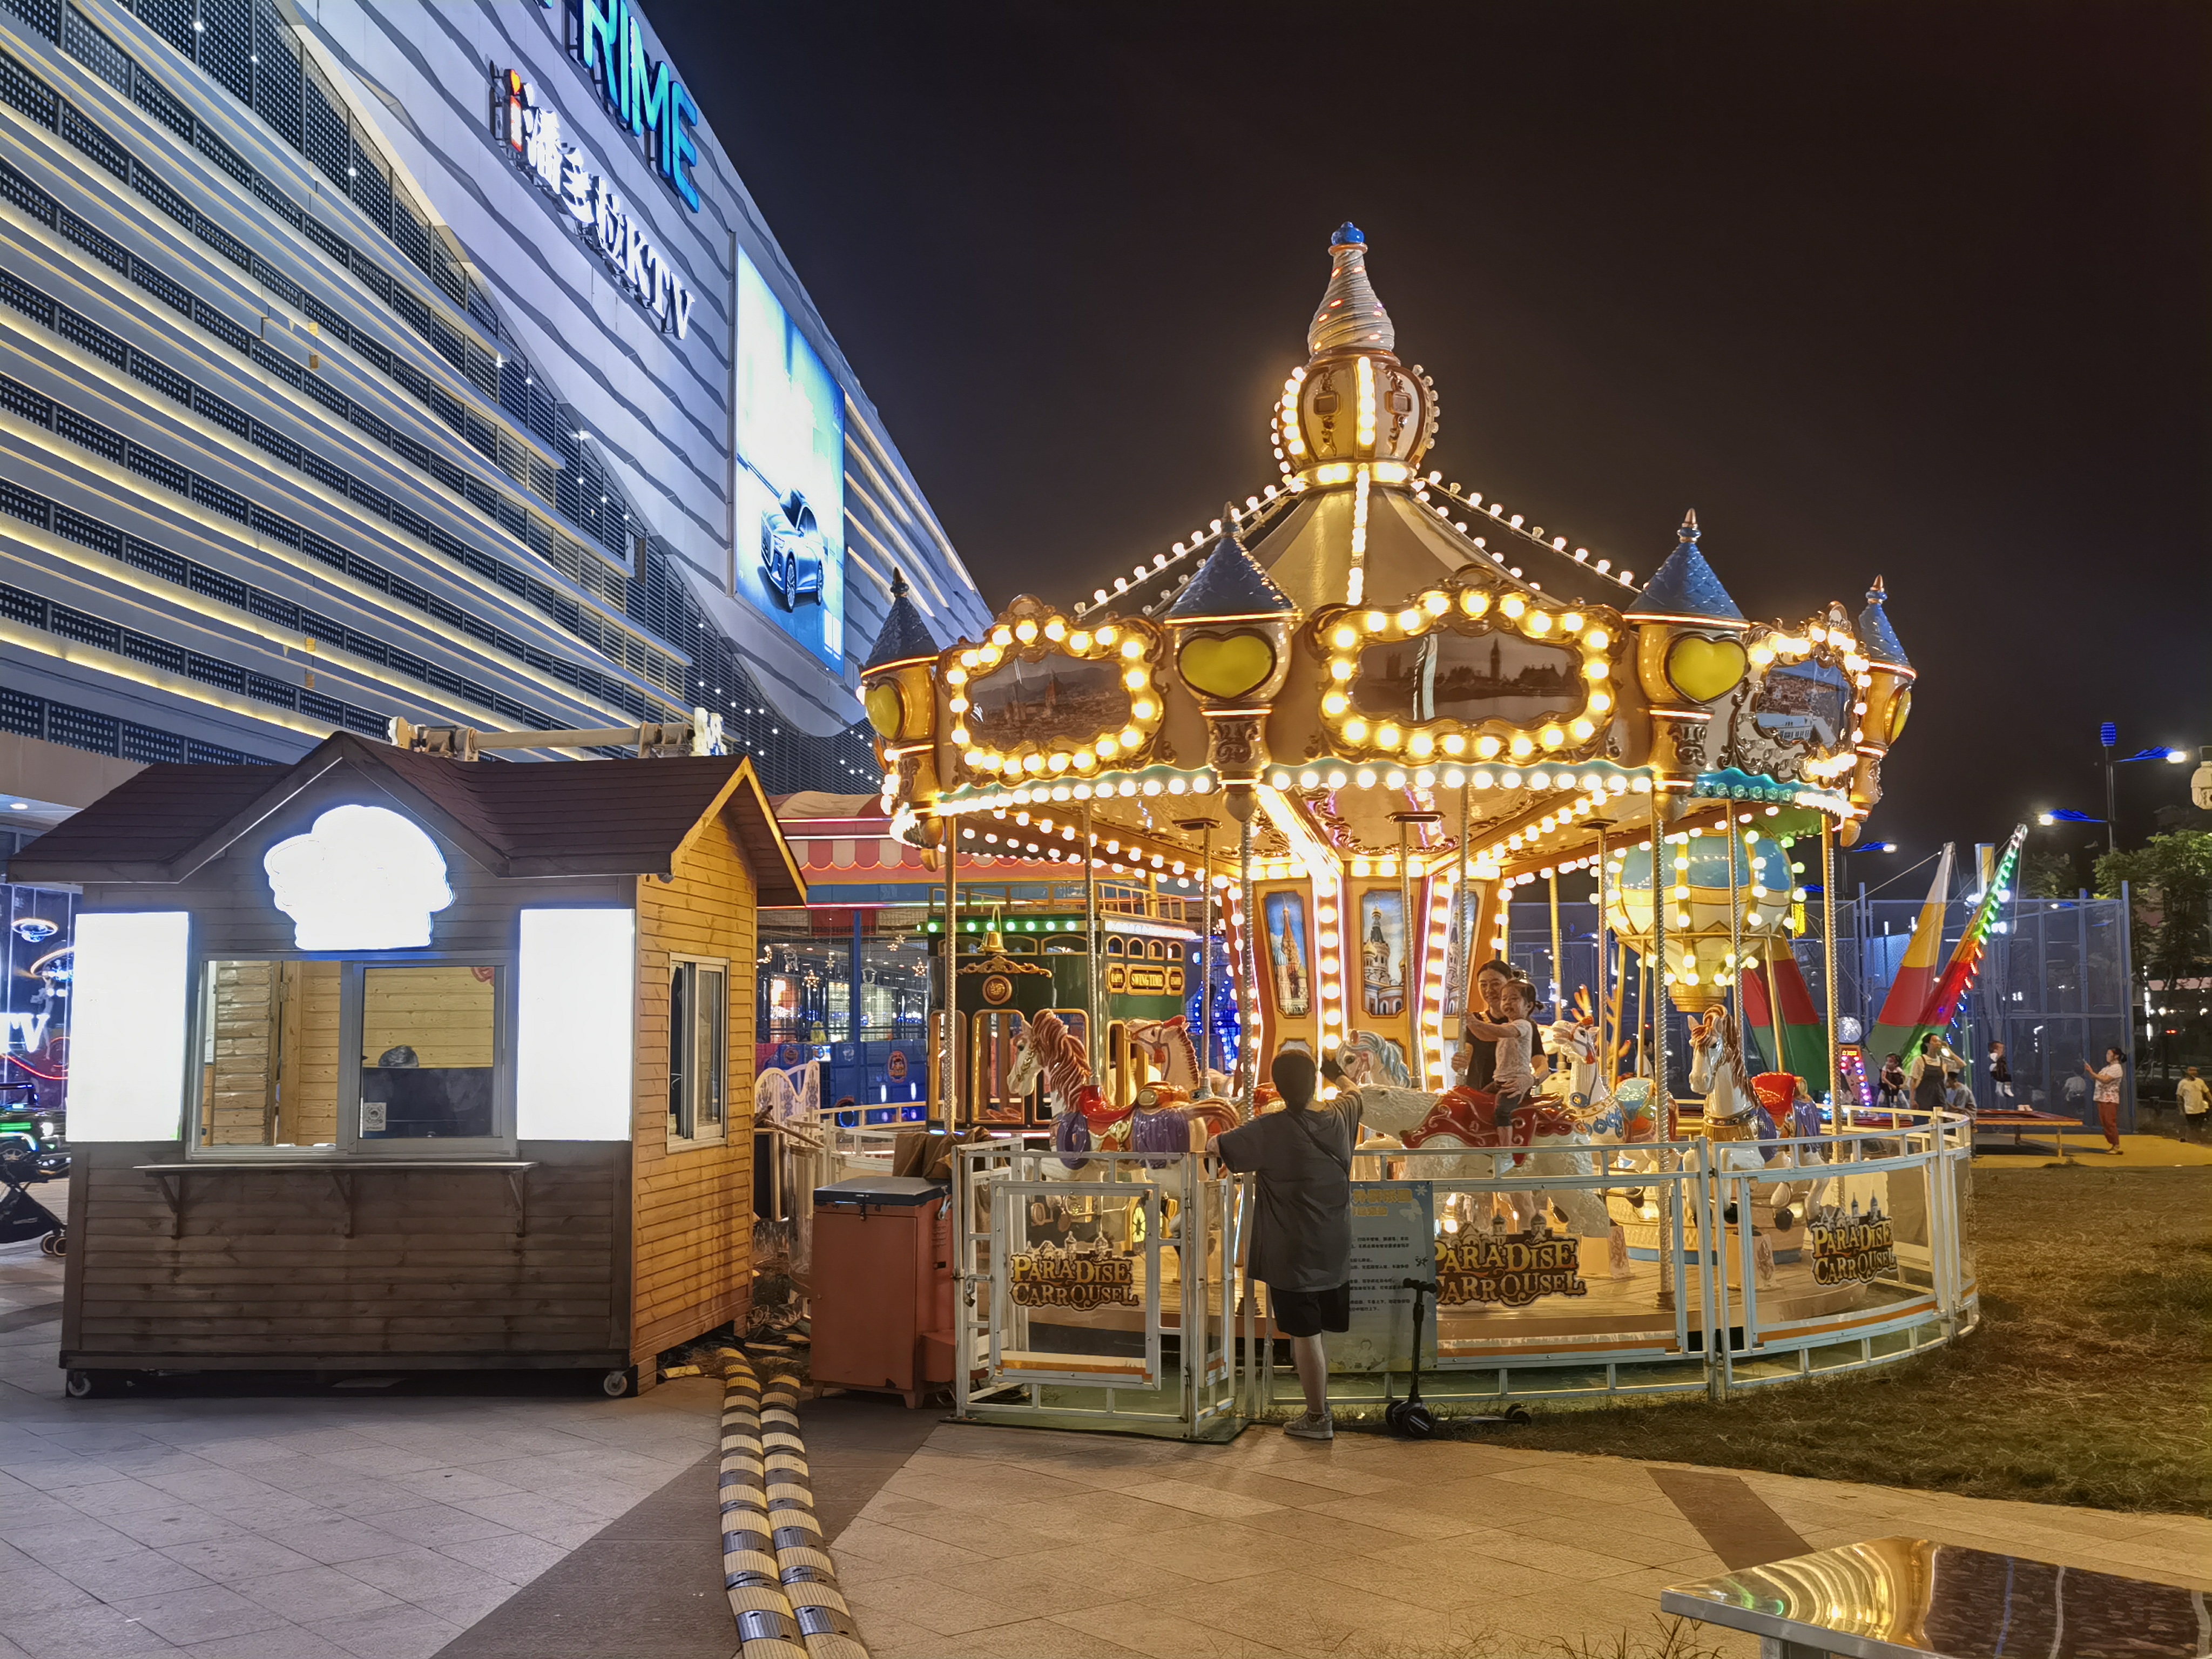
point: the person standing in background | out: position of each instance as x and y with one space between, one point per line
2196 1103
2107 1078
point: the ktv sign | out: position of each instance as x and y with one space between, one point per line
531 130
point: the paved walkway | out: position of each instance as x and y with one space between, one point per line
1042 1546
319 1522
491 1522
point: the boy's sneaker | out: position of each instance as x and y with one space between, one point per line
1309 1426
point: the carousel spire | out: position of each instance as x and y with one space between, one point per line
1230 584
1877 636
1685 589
1350 317
904 634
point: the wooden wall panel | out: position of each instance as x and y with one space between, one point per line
439 1267
693 1205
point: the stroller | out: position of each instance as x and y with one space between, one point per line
22 1216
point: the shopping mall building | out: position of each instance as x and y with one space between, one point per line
431 361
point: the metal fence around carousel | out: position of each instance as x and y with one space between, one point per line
1076 1308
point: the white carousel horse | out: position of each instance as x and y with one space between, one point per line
1736 1123
1173 1055
1579 1083
1538 1140
1369 1057
1045 1049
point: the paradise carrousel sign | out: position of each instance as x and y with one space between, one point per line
1078 1276
1507 1270
1852 1248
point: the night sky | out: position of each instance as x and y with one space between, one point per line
1916 289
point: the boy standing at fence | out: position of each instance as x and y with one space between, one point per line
1301 1221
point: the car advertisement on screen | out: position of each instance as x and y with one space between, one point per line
791 475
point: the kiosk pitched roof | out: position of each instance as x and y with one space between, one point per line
545 818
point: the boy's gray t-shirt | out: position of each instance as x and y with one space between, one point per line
1302 1215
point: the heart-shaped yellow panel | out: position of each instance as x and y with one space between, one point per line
1900 710
1228 665
1703 669
886 708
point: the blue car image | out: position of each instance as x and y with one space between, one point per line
792 552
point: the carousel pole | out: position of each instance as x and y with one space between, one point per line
1090 946
1418 1061
1828 946
1663 1101
1558 968
1735 925
949 1062
1462 979
1204 829
1599 995
1247 976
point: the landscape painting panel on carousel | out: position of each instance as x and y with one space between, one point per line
1351 719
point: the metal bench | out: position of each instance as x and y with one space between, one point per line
1911 1598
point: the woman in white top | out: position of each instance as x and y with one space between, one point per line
2108 1094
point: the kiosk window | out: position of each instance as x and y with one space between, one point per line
698 1048
281 1066
429 1043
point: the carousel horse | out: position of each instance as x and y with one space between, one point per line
1173 1054
1046 1049
1627 1119
1167 1046
1369 1057
1539 1139
1579 1083
1735 1120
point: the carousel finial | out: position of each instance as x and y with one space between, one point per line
1350 317
1876 637
905 636
1685 589
1231 583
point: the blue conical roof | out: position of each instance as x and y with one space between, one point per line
1685 589
905 636
1876 637
1231 583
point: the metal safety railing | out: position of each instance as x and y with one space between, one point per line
1115 1295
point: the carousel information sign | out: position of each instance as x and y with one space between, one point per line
1393 1230
1508 1270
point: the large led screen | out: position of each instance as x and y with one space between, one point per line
791 475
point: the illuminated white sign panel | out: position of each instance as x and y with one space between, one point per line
364 878
533 133
574 1025
127 1071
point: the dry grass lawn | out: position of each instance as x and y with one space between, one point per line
2089 1380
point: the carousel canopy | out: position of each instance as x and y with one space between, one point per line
1363 656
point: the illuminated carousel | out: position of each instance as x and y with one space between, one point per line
1350 720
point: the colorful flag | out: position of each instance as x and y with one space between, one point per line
1911 994
1804 1034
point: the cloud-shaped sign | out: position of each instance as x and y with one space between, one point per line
364 878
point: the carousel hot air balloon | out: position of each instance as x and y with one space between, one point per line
1701 941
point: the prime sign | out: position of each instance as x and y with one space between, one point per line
643 96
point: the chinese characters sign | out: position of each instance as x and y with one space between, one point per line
532 131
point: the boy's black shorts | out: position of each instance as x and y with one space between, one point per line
1309 1313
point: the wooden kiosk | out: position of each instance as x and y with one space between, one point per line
393 1060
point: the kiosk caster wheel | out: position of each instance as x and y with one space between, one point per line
615 1385
83 1385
